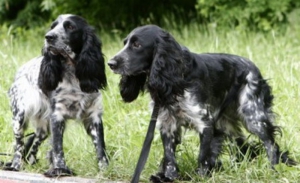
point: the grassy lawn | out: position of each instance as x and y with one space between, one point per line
278 57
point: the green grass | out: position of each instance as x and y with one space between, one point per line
125 125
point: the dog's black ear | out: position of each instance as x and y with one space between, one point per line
50 72
166 80
131 86
90 68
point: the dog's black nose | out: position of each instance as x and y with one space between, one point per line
50 37
112 64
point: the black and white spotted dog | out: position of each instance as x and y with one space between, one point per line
62 84
216 94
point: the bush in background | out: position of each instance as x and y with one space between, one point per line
112 14
257 15
262 15
22 13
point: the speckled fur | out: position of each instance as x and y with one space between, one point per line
214 93
62 84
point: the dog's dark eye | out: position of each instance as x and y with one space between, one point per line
70 27
135 44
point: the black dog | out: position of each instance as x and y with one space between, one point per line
62 84
216 94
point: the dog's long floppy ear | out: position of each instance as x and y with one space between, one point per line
50 71
90 68
131 86
166 80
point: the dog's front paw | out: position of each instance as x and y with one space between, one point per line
57 172
160 178
171 172
9 166
103 163
169 175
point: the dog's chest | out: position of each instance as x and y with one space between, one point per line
186 112
70 101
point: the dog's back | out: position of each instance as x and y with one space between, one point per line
225 66
231 84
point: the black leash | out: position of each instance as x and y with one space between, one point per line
146 146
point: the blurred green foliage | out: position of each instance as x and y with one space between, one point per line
261 15
247 14
112 14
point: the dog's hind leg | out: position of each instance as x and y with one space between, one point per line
19 126
94 127
40 135
255 109
265 131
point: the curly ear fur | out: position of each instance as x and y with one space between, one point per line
131 86
90 69
50 72
166 79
